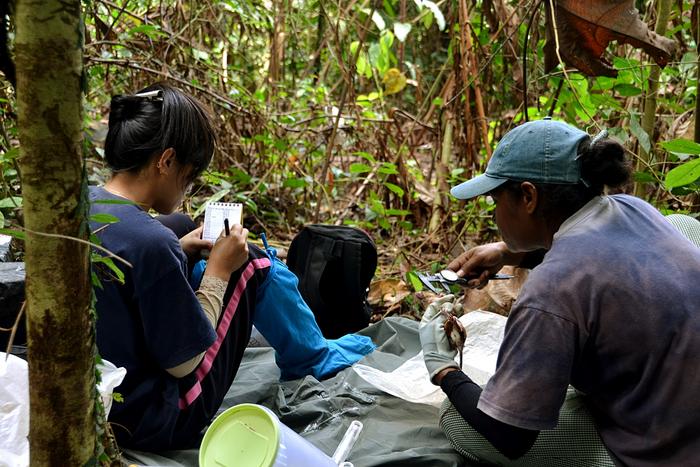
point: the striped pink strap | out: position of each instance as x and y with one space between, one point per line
222 329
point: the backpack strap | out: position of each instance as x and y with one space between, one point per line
322 250
271 252
352 257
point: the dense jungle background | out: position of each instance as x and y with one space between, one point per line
366 112
360 112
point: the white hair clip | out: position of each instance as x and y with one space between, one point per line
156 95
601 135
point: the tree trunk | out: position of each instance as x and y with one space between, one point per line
277 45
649 117
319 43
61 354
441 172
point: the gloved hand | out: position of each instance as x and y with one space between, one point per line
437 351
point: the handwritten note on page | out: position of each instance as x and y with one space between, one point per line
214 217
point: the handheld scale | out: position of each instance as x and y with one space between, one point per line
446 278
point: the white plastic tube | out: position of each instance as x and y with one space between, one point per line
347 443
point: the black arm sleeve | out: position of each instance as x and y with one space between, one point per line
532 259
511 441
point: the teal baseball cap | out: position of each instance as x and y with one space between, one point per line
542 151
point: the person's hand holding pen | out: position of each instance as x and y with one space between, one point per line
229 253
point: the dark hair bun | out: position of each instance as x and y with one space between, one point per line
134 123
124 107
604 164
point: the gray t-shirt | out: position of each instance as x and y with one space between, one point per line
614 311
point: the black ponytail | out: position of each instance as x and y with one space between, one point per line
156 118
603 163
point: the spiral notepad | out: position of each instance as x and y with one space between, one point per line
214 217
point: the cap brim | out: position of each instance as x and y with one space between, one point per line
477 186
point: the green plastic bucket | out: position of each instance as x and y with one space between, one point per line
250 435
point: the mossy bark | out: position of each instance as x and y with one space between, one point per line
48 51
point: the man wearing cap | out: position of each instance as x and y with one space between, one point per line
603 342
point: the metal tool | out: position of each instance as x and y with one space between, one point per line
446 278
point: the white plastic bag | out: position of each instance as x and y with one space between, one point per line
111 378
14 411
14 405
411 382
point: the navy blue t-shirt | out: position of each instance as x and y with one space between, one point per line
151 322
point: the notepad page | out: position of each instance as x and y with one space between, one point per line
214 216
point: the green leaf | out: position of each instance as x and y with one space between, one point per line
397 212
294 183
150 30
104 218
358 167
627 90
428 21
643 177
386 40
639 133
684 174
367 156
388 168
18 234
681 146
416 283
9 155
603 83
11 202
215 197
363 67
95 280
376 206
97 258
394 188
435 10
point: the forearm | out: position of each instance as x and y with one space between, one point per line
511 441
211 297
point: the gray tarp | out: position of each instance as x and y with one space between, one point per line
395 433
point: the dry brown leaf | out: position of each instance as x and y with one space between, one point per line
586 28
387 293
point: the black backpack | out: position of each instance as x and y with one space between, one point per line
335 265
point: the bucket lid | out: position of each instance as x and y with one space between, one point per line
245 435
